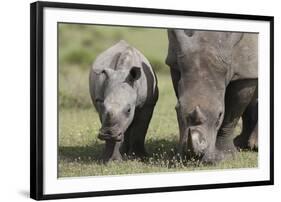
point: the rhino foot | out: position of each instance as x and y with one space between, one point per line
253 140
240 142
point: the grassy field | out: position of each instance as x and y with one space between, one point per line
79 148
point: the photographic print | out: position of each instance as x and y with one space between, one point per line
131 100
124 110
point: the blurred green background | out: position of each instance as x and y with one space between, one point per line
80 44
79 148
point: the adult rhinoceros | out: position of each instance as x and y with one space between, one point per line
215 78
124 91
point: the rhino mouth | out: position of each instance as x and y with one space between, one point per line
109 137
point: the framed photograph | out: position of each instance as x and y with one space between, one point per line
131 100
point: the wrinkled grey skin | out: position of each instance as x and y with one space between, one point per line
124 91
215 78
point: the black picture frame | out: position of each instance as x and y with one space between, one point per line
37 101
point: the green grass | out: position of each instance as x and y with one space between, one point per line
80 150
80 167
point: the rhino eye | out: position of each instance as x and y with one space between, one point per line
127 110
98 100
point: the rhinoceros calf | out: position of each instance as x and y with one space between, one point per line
215 78
124 91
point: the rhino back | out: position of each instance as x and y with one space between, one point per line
146 86
122 56
234 52
245 58
109 57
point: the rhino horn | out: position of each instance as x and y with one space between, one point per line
126 58
106 71
197 116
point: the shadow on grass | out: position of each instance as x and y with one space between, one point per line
160 146
158 150
164 152
161 153
85 154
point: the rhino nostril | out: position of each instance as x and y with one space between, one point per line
108 135
104 131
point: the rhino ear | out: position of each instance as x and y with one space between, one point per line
134 74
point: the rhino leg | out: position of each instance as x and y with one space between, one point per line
238 96
253 140
111 151
135 135
248 137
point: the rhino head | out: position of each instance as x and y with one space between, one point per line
201 110
117 108
201 90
